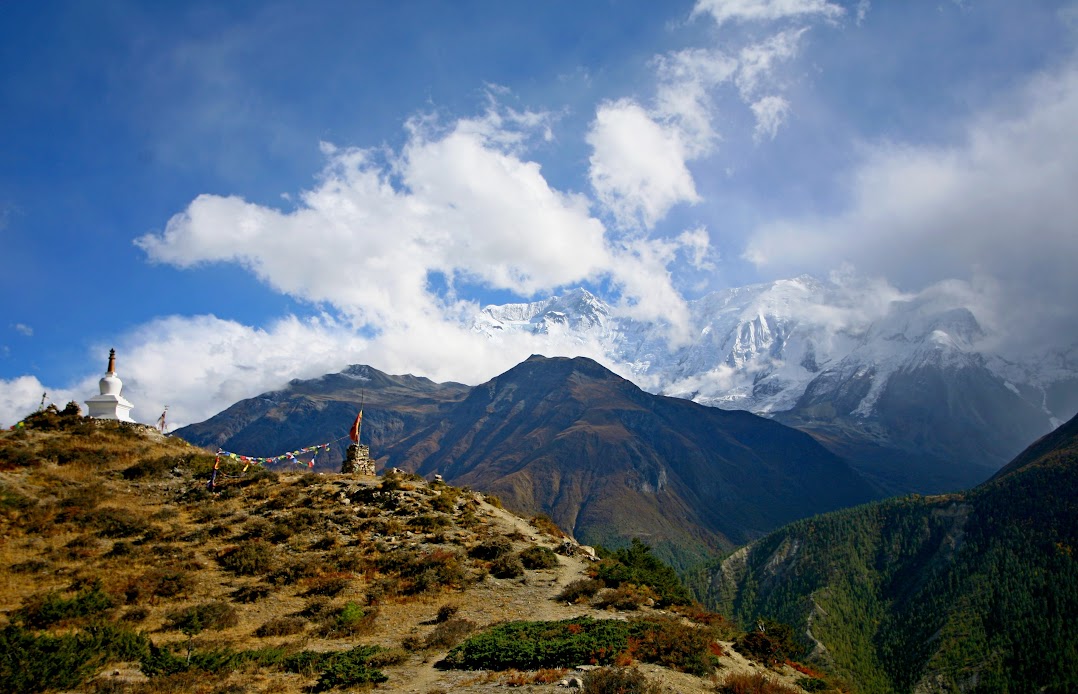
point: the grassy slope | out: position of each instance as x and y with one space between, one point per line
976 590
111 542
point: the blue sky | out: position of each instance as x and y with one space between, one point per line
236 194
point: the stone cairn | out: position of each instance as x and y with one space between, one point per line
357 460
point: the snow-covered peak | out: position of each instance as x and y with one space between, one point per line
758 347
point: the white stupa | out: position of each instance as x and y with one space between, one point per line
110 404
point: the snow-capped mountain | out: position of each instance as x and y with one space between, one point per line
876 374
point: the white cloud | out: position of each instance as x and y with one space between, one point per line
23 329
757 62
1001 204
638 168
723 11
465 206
770 112
22 396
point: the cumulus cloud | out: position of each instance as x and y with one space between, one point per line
639 161
723 11
458 202
638 165
999 204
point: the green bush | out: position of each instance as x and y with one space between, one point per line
349 669
537 557
352 620
534 645
46 609
637 565
215 615
32 663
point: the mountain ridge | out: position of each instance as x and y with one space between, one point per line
847 361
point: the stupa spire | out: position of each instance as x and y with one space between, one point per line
112 361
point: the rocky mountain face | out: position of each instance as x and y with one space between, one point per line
959 592
608 461
908 389
570 439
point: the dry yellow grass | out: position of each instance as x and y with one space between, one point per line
297 560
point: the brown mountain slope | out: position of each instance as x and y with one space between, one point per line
608 461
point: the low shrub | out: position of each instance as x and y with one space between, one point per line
281 626
349 669
159 583
249 559
330 585
446 612
449 633
774 643
507 566
215 616
625 597
812 684
580 590
38 663
429 522
151 467
537 557
352 620
46 609
534 645
491 548
618 680
754 683
673 644
116 522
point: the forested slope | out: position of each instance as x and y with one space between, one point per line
973 591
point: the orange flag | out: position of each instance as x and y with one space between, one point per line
354 433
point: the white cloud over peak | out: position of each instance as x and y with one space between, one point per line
461 202
723 11
1000 203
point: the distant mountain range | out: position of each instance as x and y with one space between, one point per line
962 592
909 390
569 439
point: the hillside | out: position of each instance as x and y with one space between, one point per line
567 438
121 572
963 592
609 462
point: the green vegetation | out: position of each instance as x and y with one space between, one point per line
972 590
636 564
583 640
